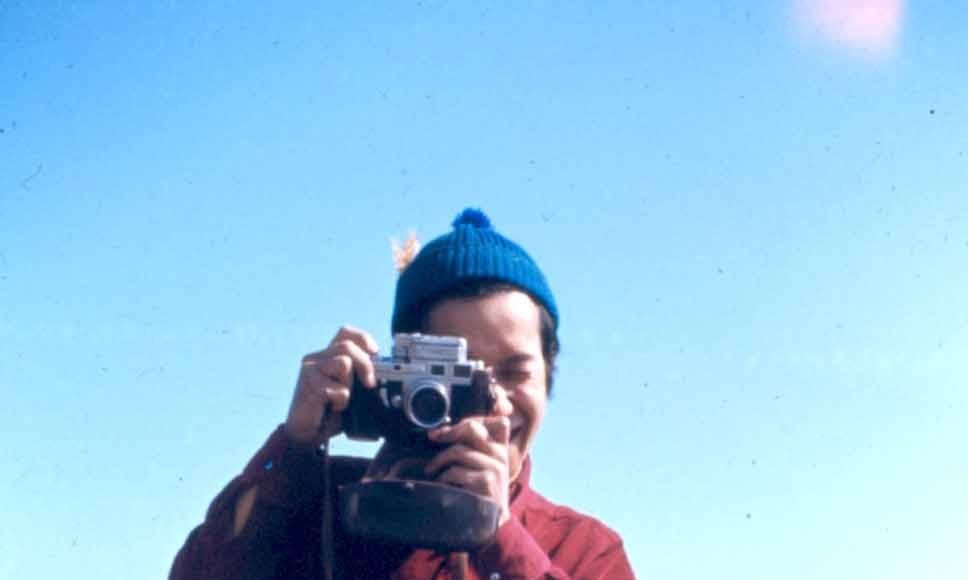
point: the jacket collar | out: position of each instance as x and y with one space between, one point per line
520 488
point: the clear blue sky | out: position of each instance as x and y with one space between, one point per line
756 225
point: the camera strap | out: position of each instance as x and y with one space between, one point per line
326 531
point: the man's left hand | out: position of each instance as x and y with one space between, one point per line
475 459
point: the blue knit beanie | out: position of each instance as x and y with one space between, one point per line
473 251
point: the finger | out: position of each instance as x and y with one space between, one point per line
456 476
328 368
338 398
465 456
502 403
316 409
357 336
339 363
324 388
319 385
480 482
498 429
362 362
471 432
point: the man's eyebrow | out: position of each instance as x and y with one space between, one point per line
519 358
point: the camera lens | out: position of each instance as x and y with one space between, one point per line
428 406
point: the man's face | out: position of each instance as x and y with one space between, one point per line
503 330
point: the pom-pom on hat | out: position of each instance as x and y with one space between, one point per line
472 251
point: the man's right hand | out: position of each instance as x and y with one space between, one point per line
325 384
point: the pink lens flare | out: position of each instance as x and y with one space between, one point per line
868 26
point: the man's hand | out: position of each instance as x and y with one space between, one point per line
476 457
325 384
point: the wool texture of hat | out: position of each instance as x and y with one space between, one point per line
474 250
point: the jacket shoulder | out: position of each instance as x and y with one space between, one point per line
554 525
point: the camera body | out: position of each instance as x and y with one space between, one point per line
426 383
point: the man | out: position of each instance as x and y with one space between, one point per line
472 282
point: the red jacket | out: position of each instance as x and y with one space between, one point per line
281 539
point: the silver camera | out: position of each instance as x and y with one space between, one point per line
426 383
